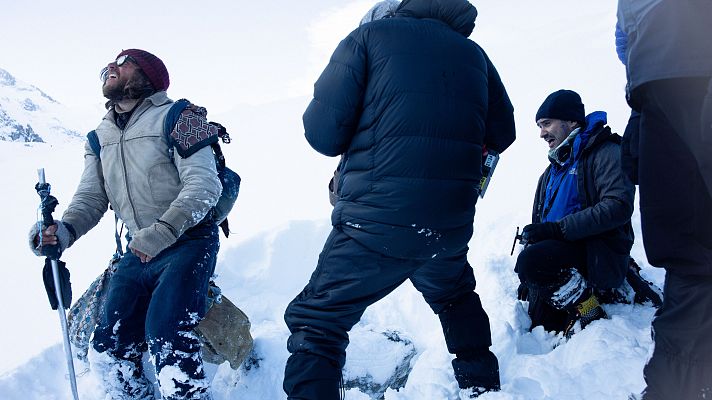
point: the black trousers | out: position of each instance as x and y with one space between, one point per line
348 278
543 268
544 263
675 178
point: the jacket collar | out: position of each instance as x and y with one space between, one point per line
156 99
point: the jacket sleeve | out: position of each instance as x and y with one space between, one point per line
621 43
331 118
191 137
90 201
201 190
499 125
615 193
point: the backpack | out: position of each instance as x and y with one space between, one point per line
229 179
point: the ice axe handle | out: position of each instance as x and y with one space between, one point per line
49 202
517 236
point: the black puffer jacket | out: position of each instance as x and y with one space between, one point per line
410 101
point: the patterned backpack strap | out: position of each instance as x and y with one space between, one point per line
187 128
173 115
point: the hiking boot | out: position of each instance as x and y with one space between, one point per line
475 392
197 396
477 372
585 311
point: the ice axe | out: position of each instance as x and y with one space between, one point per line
517 236
59 276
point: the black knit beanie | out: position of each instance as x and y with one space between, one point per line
563 104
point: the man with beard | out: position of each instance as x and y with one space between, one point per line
410 102
580 238
158 293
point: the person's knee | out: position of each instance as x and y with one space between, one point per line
527 261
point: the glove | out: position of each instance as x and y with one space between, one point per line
534 233
64 284
65 238
523 291
153 239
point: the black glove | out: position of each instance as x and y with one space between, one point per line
534 233
64 284
523 291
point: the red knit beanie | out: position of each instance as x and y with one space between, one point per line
152 66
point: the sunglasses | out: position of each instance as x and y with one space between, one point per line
104 74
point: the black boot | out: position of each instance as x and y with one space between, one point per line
467 334
477 371
309 376
586 310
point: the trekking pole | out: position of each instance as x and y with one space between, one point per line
48 204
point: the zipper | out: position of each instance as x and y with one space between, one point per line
126 176
132 118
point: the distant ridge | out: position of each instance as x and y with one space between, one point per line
27 114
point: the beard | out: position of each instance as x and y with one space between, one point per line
135 87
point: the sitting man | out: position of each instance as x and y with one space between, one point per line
580 237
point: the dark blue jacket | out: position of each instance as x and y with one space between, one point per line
666 39
602 218
562 196
409 101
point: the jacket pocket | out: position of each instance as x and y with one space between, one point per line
164 182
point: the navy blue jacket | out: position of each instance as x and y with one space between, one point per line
409 101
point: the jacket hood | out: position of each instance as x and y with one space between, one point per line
595 124
460 15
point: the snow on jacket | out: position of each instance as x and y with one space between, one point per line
666 39
606 204
409 101
140 179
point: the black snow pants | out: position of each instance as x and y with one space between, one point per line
675 178
348 278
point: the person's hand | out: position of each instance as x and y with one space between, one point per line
51 241
534 233
142 256
49 236
148 242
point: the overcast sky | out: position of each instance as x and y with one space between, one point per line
231 52
221 52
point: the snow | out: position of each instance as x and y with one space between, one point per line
281 222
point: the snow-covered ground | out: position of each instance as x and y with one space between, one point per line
282 219
263 273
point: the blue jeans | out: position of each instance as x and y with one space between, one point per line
156 305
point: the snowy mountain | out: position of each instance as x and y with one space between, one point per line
27 114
